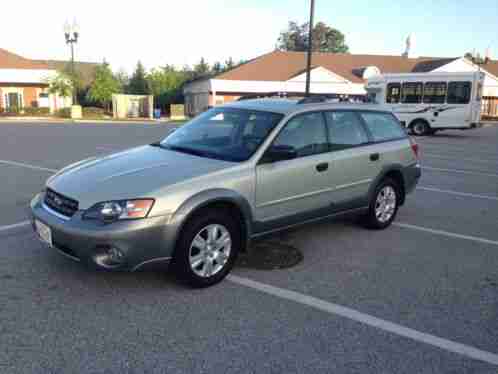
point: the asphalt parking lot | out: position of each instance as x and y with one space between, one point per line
420 297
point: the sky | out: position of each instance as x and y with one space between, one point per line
179 32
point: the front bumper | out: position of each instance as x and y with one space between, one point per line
140 243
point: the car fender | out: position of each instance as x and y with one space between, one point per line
205 198
384 171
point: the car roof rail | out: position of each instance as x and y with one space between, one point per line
263 95
314 99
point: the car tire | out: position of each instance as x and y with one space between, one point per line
384 205
420 128
196 259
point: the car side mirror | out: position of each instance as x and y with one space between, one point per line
279 153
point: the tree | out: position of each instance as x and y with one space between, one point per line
103 86
325 38
229 64
60 84
217 68
166 85
123 79
202 68
138 84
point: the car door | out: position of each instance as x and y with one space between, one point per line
292 189
355 162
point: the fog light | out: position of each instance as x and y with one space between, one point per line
109 257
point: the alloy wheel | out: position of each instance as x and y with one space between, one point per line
210 250
385 204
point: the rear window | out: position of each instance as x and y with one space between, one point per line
383 126
459 92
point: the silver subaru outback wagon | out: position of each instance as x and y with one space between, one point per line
238 171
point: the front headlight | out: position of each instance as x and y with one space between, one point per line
109 211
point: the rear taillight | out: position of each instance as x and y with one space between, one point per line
415 147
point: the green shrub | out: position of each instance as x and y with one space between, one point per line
35 111
64 113
95 113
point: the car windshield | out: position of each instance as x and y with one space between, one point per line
224 133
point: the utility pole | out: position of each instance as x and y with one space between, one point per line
310 49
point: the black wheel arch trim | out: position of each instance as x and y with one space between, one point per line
386 170
205 198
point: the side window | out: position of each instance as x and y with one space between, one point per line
411 93
393 93
435 93
383 126
345 130
305 133
459 92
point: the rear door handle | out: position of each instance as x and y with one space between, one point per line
322 167
374 157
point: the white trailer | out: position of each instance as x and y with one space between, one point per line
430 102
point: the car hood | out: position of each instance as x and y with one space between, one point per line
136 173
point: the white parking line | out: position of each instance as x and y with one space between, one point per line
461 171
458 158
446 233
22 164
14 226
463 194
335 309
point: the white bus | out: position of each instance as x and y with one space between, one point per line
430 102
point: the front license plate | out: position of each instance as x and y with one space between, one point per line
44 232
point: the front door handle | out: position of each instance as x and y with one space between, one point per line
374 157
322 167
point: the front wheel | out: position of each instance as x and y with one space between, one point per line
384 205
207 249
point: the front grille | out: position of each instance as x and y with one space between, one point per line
60 203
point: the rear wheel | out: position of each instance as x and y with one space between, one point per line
420 128
207 249
384 205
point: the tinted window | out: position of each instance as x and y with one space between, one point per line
393 93
345 130
383 126
435 92
459 92
305 133
223 133
412 93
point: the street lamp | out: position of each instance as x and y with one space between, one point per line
310 48
71 32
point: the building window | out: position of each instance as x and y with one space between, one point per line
412 93
459 92
435 93
393 93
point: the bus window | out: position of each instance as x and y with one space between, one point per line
459 92
393 93
412 93
435 92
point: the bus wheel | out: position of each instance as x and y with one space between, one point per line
420 128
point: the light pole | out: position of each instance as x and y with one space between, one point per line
71 32
310 48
